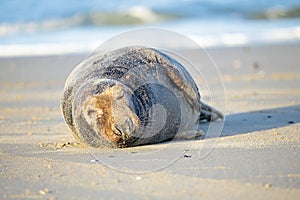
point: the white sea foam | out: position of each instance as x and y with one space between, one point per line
282 34
46 49
77 42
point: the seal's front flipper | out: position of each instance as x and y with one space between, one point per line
189 135
209 113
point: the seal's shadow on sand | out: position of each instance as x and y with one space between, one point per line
259 120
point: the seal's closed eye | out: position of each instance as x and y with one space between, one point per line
119 95
118 130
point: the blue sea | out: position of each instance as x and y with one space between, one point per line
44 27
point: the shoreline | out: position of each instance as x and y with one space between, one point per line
57 51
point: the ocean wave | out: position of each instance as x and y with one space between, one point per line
79 26
277 12
135 15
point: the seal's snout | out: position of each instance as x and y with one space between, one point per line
124 128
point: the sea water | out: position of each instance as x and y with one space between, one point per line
53 26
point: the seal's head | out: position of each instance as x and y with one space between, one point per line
111 114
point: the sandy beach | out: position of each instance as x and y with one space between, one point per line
257 155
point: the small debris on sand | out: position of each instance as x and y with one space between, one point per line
59 145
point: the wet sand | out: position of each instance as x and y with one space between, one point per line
257 155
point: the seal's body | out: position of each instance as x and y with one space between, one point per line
132 96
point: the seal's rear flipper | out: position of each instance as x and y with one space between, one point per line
209 113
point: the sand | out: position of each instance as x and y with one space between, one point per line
257 155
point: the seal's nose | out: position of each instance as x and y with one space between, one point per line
124 129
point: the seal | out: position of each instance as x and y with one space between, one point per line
132 96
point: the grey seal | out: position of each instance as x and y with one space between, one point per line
132 96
